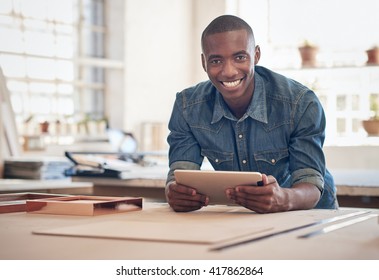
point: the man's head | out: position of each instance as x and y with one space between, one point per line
226 23
229 56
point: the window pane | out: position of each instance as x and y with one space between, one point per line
341 102
355 106
14 41
62 11
13 65
34 9
40 105
341 126
40 68
64 46
64 70
38 43
42 59
6 6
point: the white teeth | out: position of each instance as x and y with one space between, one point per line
231 84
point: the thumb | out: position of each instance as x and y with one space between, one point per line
265 179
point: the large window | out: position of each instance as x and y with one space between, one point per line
342 31
52 55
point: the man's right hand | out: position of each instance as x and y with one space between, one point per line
184 199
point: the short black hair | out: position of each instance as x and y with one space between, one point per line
226 23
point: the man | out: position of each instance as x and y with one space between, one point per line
248 118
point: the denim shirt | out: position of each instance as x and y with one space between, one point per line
281 134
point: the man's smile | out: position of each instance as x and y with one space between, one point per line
232 84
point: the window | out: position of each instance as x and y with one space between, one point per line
50 54
342 31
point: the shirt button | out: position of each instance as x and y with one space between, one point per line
240 136
216 160
244 161
273 161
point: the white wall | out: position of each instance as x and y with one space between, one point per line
115 18
161 55
158 54
352 157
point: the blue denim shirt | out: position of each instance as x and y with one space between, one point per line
281 134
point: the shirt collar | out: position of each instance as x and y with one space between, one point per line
257 109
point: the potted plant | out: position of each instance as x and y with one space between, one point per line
373 56
44 126
371 125
308 53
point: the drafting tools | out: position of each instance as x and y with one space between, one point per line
234 243
338 226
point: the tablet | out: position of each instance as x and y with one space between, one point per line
214 183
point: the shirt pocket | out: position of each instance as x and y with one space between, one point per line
219 160
273 162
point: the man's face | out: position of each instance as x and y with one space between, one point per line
229 59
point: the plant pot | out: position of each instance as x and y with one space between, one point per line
44 126
371 127
372 56
308 56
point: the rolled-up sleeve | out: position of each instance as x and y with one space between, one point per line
308 175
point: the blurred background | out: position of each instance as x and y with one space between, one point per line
74 68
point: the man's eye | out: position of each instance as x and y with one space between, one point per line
241 57
215 61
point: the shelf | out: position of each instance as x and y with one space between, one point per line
323 68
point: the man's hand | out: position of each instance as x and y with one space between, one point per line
271 197
184 199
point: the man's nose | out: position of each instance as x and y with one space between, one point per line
229 69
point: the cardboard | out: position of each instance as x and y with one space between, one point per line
183 232
84 205
16 202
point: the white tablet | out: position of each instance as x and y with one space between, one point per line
214 183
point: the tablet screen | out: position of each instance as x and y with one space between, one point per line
214 183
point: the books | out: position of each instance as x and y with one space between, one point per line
39 169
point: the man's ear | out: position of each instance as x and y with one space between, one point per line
257 54
203 62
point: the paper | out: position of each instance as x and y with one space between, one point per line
201 233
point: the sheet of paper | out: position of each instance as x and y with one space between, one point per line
201 233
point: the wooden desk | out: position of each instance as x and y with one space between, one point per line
358 188
148 182
357 241
45 186
151 189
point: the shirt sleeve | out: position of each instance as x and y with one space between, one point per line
307 160
183 144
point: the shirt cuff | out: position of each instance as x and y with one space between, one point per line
308 175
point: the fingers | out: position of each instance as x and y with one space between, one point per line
268 179
184 199
260 203
185 205
261 199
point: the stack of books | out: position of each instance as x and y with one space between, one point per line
38 169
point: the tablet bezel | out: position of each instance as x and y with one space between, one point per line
214 183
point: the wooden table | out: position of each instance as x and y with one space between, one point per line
355 241
148 182
355 188
65 186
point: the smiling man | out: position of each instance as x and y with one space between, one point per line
249 118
